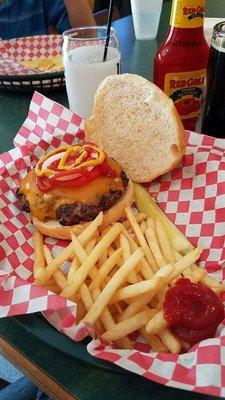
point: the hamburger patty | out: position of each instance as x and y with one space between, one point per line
23 203
73 213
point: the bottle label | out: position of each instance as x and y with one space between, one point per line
186 91
187 13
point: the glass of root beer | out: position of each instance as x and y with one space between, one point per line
213 121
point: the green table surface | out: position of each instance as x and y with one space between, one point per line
80 379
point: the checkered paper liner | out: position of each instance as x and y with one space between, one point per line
27 48
192 195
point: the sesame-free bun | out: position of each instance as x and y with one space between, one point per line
136 124
52 228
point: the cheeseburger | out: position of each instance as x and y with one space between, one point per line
70 186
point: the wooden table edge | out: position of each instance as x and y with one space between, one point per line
36 374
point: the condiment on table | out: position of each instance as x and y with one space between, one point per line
180 63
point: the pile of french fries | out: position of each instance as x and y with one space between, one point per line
119 276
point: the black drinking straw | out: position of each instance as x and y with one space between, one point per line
110 14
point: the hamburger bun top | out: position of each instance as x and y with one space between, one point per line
136 124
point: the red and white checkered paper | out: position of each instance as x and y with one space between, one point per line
27 48
192 195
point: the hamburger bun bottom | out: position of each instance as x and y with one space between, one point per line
52 228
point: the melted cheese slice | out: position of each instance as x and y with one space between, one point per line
44 205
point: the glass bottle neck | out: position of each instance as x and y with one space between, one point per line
187 14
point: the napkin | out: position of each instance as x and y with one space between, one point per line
192 196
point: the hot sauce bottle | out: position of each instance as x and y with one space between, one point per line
181 61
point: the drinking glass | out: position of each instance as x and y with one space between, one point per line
146 15
83 50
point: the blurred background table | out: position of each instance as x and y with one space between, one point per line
55 372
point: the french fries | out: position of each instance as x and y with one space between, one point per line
112 286
119 276
130 325
154 246
39 257
126 252
141 239
148 286
163 241
170 340
154 341
157 323
43 275
58 277
105 269
82 272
